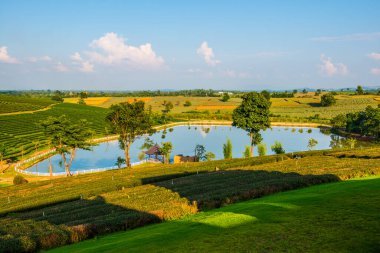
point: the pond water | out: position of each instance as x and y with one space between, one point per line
184 139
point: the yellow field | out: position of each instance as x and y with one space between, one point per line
301 106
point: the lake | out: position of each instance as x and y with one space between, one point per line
185 138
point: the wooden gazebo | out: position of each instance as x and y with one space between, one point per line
154 151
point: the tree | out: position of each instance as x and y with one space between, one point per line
66 137
262 149
119 161
312 143
200 152
83 95
209 156
247 152
351 142
129 120
58 96
227 149
81 101
266 94
339 121
328 99
359 90
252 116
3 153
165 150
225 97
187 103
277 148
148 143
168 107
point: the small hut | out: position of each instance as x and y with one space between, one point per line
154 151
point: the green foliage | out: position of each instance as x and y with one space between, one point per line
120 161
166 149
83 95
328 100
252 116
81 101
168 106
209 156
18 179
351 142
225 97
339 121
266 94
262 149
277 148
200 152
312 143
66 137
247 152
227 149
359 90
187 103
129 121
148 143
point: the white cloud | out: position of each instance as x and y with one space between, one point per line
112 49
37 59
207 53
330 69
86 67
5 57
60 67
349 37
76 57
375 71
375 56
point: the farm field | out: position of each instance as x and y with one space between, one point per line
21 132
13 104
283 109
118 200
336 217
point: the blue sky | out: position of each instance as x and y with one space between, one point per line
134 45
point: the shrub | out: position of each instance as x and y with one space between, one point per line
277 148
262 149
187 103
18 179
328 100
247 152
227 149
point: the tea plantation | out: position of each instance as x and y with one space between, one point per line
85 206
10 104
18 132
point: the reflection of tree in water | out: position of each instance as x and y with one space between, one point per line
338 142
204 131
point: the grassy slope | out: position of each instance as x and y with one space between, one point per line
336 217
14 104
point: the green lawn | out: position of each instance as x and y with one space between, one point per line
336 217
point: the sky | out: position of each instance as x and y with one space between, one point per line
168 44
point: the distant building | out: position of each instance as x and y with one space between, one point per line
185 159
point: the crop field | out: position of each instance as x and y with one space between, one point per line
12 104
66 210
20 132
284 109
336 217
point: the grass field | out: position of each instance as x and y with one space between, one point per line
336 217
12 104
67 210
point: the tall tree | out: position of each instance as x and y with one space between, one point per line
165 150
359 90
200 152
252 116
66 137
129 120
227 149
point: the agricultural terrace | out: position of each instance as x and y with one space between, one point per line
14 104
336 217
301 108
47 214
22 134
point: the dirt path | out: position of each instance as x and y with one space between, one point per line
27 112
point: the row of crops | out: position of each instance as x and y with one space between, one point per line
114 201
10 104
22 133
138 206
